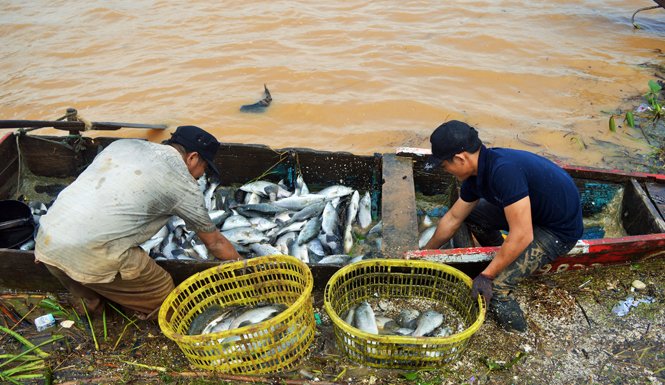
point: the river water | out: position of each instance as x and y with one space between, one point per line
350 75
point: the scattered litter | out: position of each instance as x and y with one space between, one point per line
643 107
622 308
639 285
584 284
44 322
67 324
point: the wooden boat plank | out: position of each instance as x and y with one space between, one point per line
657 195
640 216
8 166
19 271
400 225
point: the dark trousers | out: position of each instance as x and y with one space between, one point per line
485 222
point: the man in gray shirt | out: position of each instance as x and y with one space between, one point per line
90 237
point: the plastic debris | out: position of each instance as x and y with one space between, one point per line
639 285
622 308
643 107
67 324
44 322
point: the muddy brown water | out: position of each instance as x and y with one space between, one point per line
354 75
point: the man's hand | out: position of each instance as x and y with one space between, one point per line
219 246
482 285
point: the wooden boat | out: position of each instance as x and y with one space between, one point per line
40 166
640 210
46 164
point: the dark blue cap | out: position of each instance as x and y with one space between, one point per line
450 138
196 139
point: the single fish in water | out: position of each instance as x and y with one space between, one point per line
259 106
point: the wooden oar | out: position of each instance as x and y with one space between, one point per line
75 126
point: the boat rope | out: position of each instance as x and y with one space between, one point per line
282 156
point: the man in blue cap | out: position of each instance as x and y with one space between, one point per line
90 238
503 189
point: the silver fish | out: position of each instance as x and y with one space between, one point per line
149 244
348 240
265 208
377 229
335 191
209 193
223 319
234 222
218 216
284 217
283 241
364 318
336 259
352 210
244 235
296 226
427 221
201 320
257 315
330 219
301 187
425 236
258 187
428 321
365 211
299 202
408 318
308 212
29 245
252 198
310 230
299 251
262 224
262 249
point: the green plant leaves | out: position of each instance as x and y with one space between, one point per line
613 126
655 87
630 119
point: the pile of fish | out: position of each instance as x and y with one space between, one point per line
409 322
217 318
264 218
262 346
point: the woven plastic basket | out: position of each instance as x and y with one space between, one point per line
393 278
269 346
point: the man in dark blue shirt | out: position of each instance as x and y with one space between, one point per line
503 189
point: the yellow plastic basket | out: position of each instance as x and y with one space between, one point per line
269 346
394 278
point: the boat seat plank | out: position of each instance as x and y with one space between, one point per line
657 195
398 210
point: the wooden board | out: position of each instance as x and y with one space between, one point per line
18 271
400 225
639 214
657 194
8 165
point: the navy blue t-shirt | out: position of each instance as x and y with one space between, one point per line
505 176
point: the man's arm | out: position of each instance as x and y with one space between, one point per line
519 236
219 246
449 224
